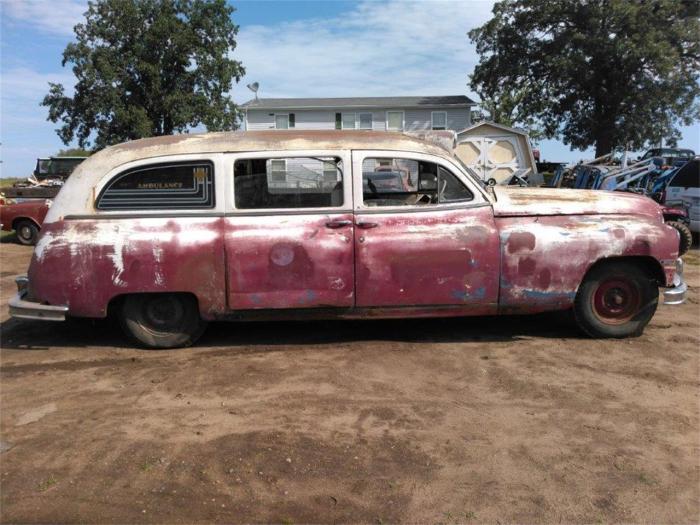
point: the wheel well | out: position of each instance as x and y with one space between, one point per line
646 263
17 220
116 301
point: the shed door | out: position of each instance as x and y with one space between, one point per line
495 158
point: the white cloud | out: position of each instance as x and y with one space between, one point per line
391 48
57 17
382 49
24 85
22 90
25 132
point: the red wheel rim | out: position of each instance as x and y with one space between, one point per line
616 300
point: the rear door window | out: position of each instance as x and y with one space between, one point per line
292 182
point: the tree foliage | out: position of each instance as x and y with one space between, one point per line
594 72
504 110
145 68
73 152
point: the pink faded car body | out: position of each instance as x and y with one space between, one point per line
517 250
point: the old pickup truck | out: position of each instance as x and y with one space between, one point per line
169 233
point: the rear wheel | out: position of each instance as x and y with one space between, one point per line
686 236
162 320
616 299
27 232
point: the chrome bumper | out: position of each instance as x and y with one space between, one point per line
677 293
32 310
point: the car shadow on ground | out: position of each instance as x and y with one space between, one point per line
9 237
82 333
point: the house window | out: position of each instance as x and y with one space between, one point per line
281 121
439 119
348 121
365 121
176 185
394 120
278 170
292 182
330 171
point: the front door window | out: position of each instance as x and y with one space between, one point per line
407 182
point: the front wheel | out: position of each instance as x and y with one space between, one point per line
616 299
165 320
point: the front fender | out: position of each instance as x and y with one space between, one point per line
544 259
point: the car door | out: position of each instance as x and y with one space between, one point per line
425 234
289 231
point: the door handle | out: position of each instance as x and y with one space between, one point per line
337 224
367 225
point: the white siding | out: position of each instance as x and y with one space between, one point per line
258 120
421 119
312 119
415 119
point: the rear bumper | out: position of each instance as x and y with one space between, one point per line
23 309
677 293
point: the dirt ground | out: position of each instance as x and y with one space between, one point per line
431 421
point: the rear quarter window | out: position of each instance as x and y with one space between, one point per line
176 185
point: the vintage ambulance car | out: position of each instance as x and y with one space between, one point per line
169 233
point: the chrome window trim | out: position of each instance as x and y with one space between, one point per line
374 210
140 215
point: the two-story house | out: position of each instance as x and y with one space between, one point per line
370 113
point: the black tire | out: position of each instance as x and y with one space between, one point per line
686 236
161 320
27 232
616 299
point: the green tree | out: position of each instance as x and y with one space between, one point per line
146 68
73 152
594 72
503 109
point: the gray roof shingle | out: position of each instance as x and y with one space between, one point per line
358 102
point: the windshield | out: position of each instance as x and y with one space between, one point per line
58 166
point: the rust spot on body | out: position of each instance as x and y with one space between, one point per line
518 241
526 266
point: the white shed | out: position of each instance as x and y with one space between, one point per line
496 152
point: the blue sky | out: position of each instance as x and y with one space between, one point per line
294 49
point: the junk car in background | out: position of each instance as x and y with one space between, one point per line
25 218
168 233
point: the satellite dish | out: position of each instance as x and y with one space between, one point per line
254 88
